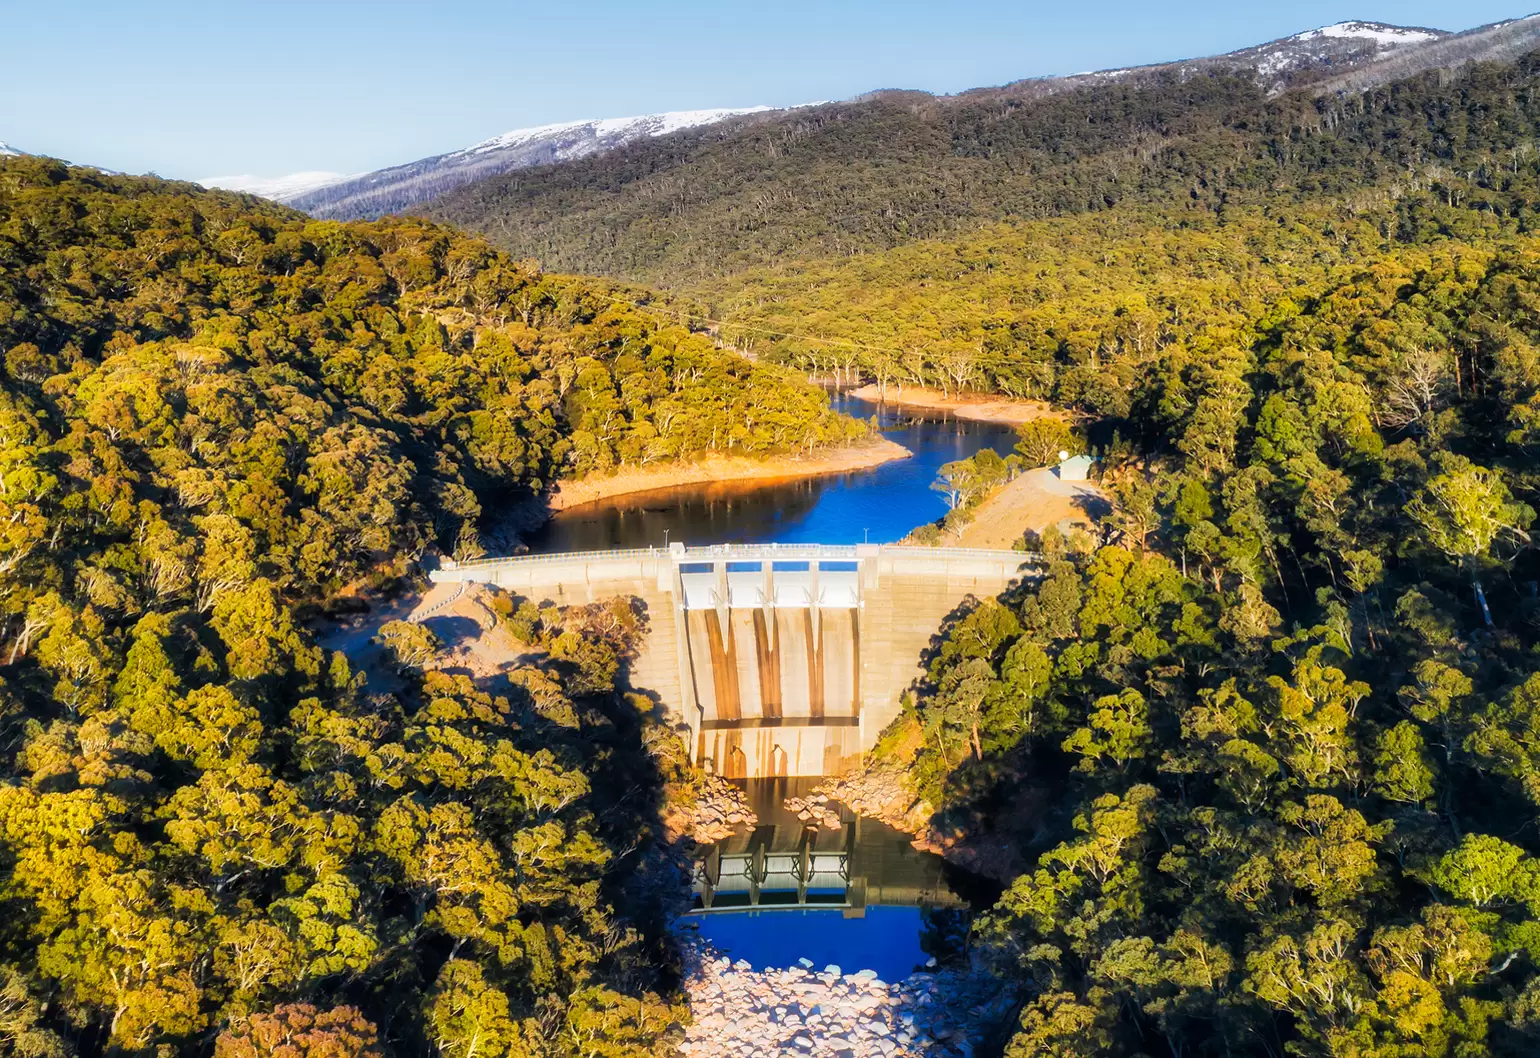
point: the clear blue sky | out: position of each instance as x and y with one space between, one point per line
194 88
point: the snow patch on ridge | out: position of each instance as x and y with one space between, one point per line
1384 36
279 187
632 127
7 151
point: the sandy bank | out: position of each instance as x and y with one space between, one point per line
980 406
870 453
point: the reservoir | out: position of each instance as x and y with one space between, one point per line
880 505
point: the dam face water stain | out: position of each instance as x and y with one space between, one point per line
880 504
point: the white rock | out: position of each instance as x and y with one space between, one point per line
833 969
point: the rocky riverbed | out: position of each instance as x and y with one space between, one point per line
814 810
881 793
877 793
708 811
800 1011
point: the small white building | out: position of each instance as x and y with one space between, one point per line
1074 468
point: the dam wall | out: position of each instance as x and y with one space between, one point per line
779 659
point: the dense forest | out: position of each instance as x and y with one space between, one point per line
1260 761
367 382
1075 308
216 415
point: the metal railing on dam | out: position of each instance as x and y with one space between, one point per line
739 553
781 659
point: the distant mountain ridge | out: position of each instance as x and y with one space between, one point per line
280 188
891 167
1353 54
1275 65
400 187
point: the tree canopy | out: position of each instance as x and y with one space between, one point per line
214 414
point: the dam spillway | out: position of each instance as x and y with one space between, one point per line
782 660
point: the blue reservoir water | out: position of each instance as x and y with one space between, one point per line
887 940
880 505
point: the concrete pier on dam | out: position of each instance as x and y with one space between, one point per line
781 659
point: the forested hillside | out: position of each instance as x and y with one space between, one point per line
1259 762
1266 759
853 178
1074 307
216 411
366 382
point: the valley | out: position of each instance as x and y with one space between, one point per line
1041 571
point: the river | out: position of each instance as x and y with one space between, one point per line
880 505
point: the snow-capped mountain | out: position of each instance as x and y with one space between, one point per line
1383 35
282 188
1341 44
1278 64
6 150
1345 55
403 186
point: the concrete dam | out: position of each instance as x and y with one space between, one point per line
782 659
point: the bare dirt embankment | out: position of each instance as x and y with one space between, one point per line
982 407
473 641
1035 500
870 453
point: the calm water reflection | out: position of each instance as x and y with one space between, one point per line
900 907
881 504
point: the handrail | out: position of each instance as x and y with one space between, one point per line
564 556
769 550
751 552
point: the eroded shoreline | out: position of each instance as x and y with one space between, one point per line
979 407
594 489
